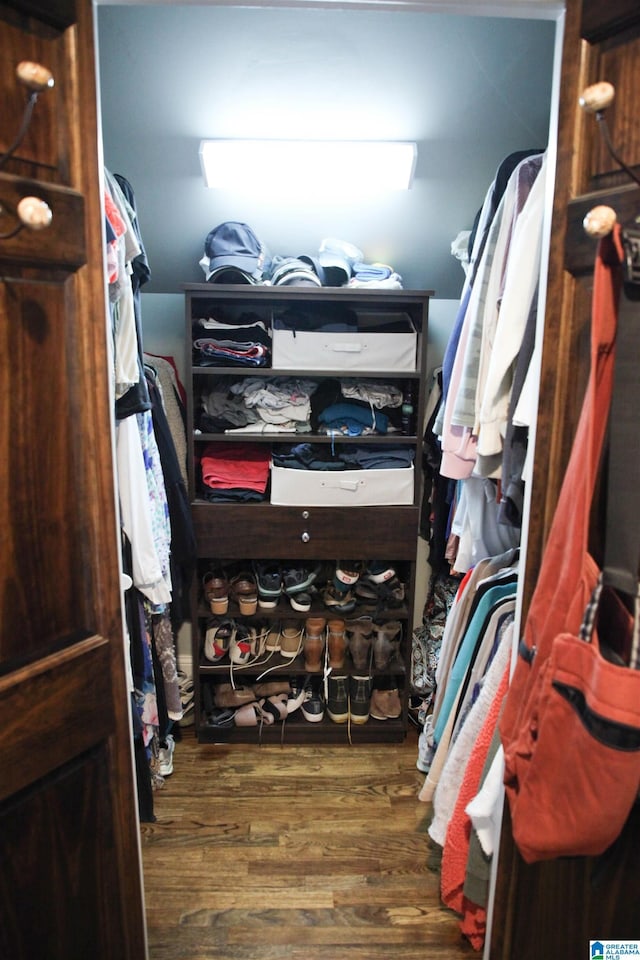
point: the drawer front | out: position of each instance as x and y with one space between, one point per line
323 533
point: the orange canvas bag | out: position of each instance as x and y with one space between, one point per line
551 648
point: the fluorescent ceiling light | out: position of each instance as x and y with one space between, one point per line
356 165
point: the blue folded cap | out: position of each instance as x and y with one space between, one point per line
233 245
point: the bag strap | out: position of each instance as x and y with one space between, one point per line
622 535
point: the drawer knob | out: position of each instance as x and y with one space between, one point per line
305 514
305 537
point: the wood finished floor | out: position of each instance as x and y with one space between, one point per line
295 853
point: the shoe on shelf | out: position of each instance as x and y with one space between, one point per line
347 574
225 695
216 591
385 704
313 705
379 571
268 574
276 705
297 694
359 698
297 578
254 714
165 756
379 586
247 644
270 688
386 642
244 590
337 600
338 698
313 643
336 643
218 637
300 601
291 639
220 718
359 639
272 642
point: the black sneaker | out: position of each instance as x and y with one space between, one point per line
298 579
359 698
338 698
313 703
269 580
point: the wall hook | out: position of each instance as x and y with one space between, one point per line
33 213
595 99
600 221
35 78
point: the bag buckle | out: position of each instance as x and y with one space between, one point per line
525 652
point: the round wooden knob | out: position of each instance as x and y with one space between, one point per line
34 76
597 97
599 222
34 213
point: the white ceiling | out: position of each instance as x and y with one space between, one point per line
529 9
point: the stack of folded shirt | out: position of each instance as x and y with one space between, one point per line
235 471
352 419
309 456
246 342
280 404
375 275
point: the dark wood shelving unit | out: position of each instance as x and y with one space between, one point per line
232 533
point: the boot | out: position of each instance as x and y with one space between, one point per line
359 697
338 698
360 635
386 642
314 637
336 643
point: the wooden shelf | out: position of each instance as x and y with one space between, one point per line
232 533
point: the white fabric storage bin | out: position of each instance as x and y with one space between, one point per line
341 488
382 341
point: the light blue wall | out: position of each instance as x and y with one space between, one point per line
469 90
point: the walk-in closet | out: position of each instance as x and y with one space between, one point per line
320 551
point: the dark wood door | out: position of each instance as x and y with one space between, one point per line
70 877
553 909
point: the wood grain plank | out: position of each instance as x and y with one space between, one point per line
262 852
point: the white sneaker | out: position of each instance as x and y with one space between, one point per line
165 757
425 748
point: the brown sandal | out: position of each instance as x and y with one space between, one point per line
244 591
216 591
